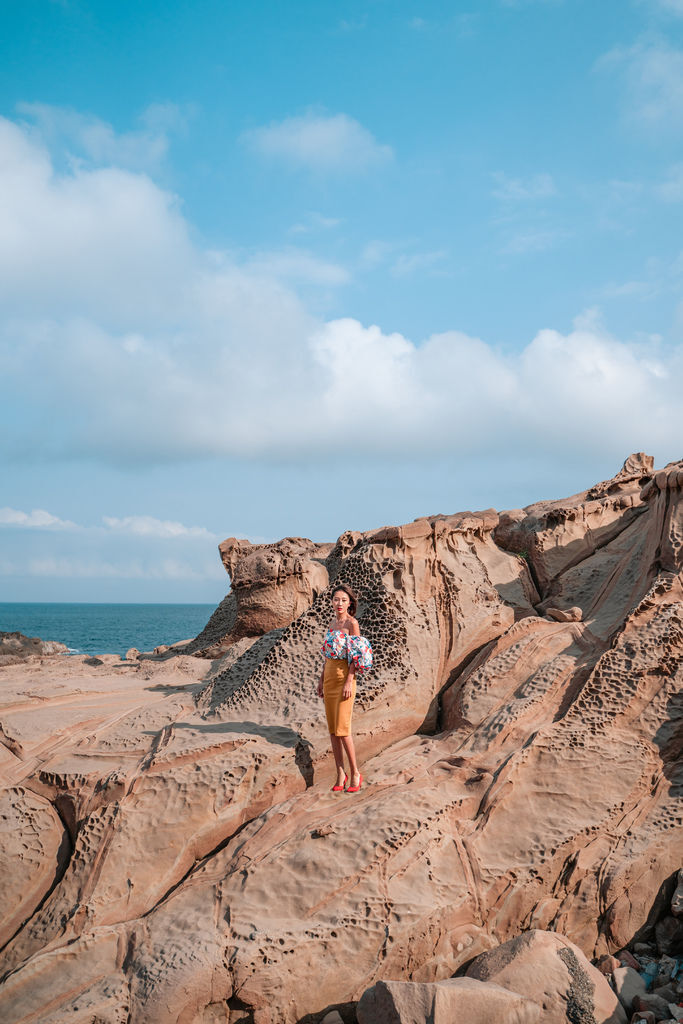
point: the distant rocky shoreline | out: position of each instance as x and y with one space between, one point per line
172 853
15 647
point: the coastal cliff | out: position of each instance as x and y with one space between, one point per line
172 853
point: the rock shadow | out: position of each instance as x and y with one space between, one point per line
278 735
669 739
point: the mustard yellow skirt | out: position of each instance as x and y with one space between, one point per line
338 711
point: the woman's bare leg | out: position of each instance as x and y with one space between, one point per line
347 743
338 754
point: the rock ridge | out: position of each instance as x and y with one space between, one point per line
522 741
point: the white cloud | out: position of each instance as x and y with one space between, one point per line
410 263
149 526
98 568
315 222
137 525
538 186
353 25
528 3
653 73
671 189
297 265
184 353
670 6
319 142
85 136
375 253
632 289
106 243
38 519
532 240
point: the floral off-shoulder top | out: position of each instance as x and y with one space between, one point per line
344 647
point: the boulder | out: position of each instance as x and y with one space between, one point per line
565 614
669 935
628 984
555 974
442 1002
654 1003
608 964
677 898
15 647
273 583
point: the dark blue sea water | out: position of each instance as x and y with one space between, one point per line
106 628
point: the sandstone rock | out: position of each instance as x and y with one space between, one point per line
35 848
556 535
132 654
273 583
521 772
669 934
565 615
666 992
551 971
15 648
404 1002
333 1017
608 964
655 1004
677 898
628 984
667 967
643 1017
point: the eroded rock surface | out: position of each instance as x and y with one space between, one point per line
521 738
15 647
554 974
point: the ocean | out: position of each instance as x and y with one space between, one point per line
106 628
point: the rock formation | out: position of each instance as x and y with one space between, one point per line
15 647
171 850
271 585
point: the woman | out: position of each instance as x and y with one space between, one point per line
347 654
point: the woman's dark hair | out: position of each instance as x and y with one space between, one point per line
350 593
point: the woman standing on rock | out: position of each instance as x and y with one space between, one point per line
347 654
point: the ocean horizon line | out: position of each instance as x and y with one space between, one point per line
140 604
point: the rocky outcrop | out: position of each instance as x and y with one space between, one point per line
442 1002
553 973
15 648
521 736
272 584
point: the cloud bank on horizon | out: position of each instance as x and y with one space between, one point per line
143 340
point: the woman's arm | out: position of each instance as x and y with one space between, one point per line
354 630
322 672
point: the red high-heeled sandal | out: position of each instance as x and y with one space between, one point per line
339 789
356 789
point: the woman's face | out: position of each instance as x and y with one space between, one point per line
340 603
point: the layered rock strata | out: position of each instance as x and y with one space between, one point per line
521 739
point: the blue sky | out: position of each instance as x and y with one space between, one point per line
276 269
